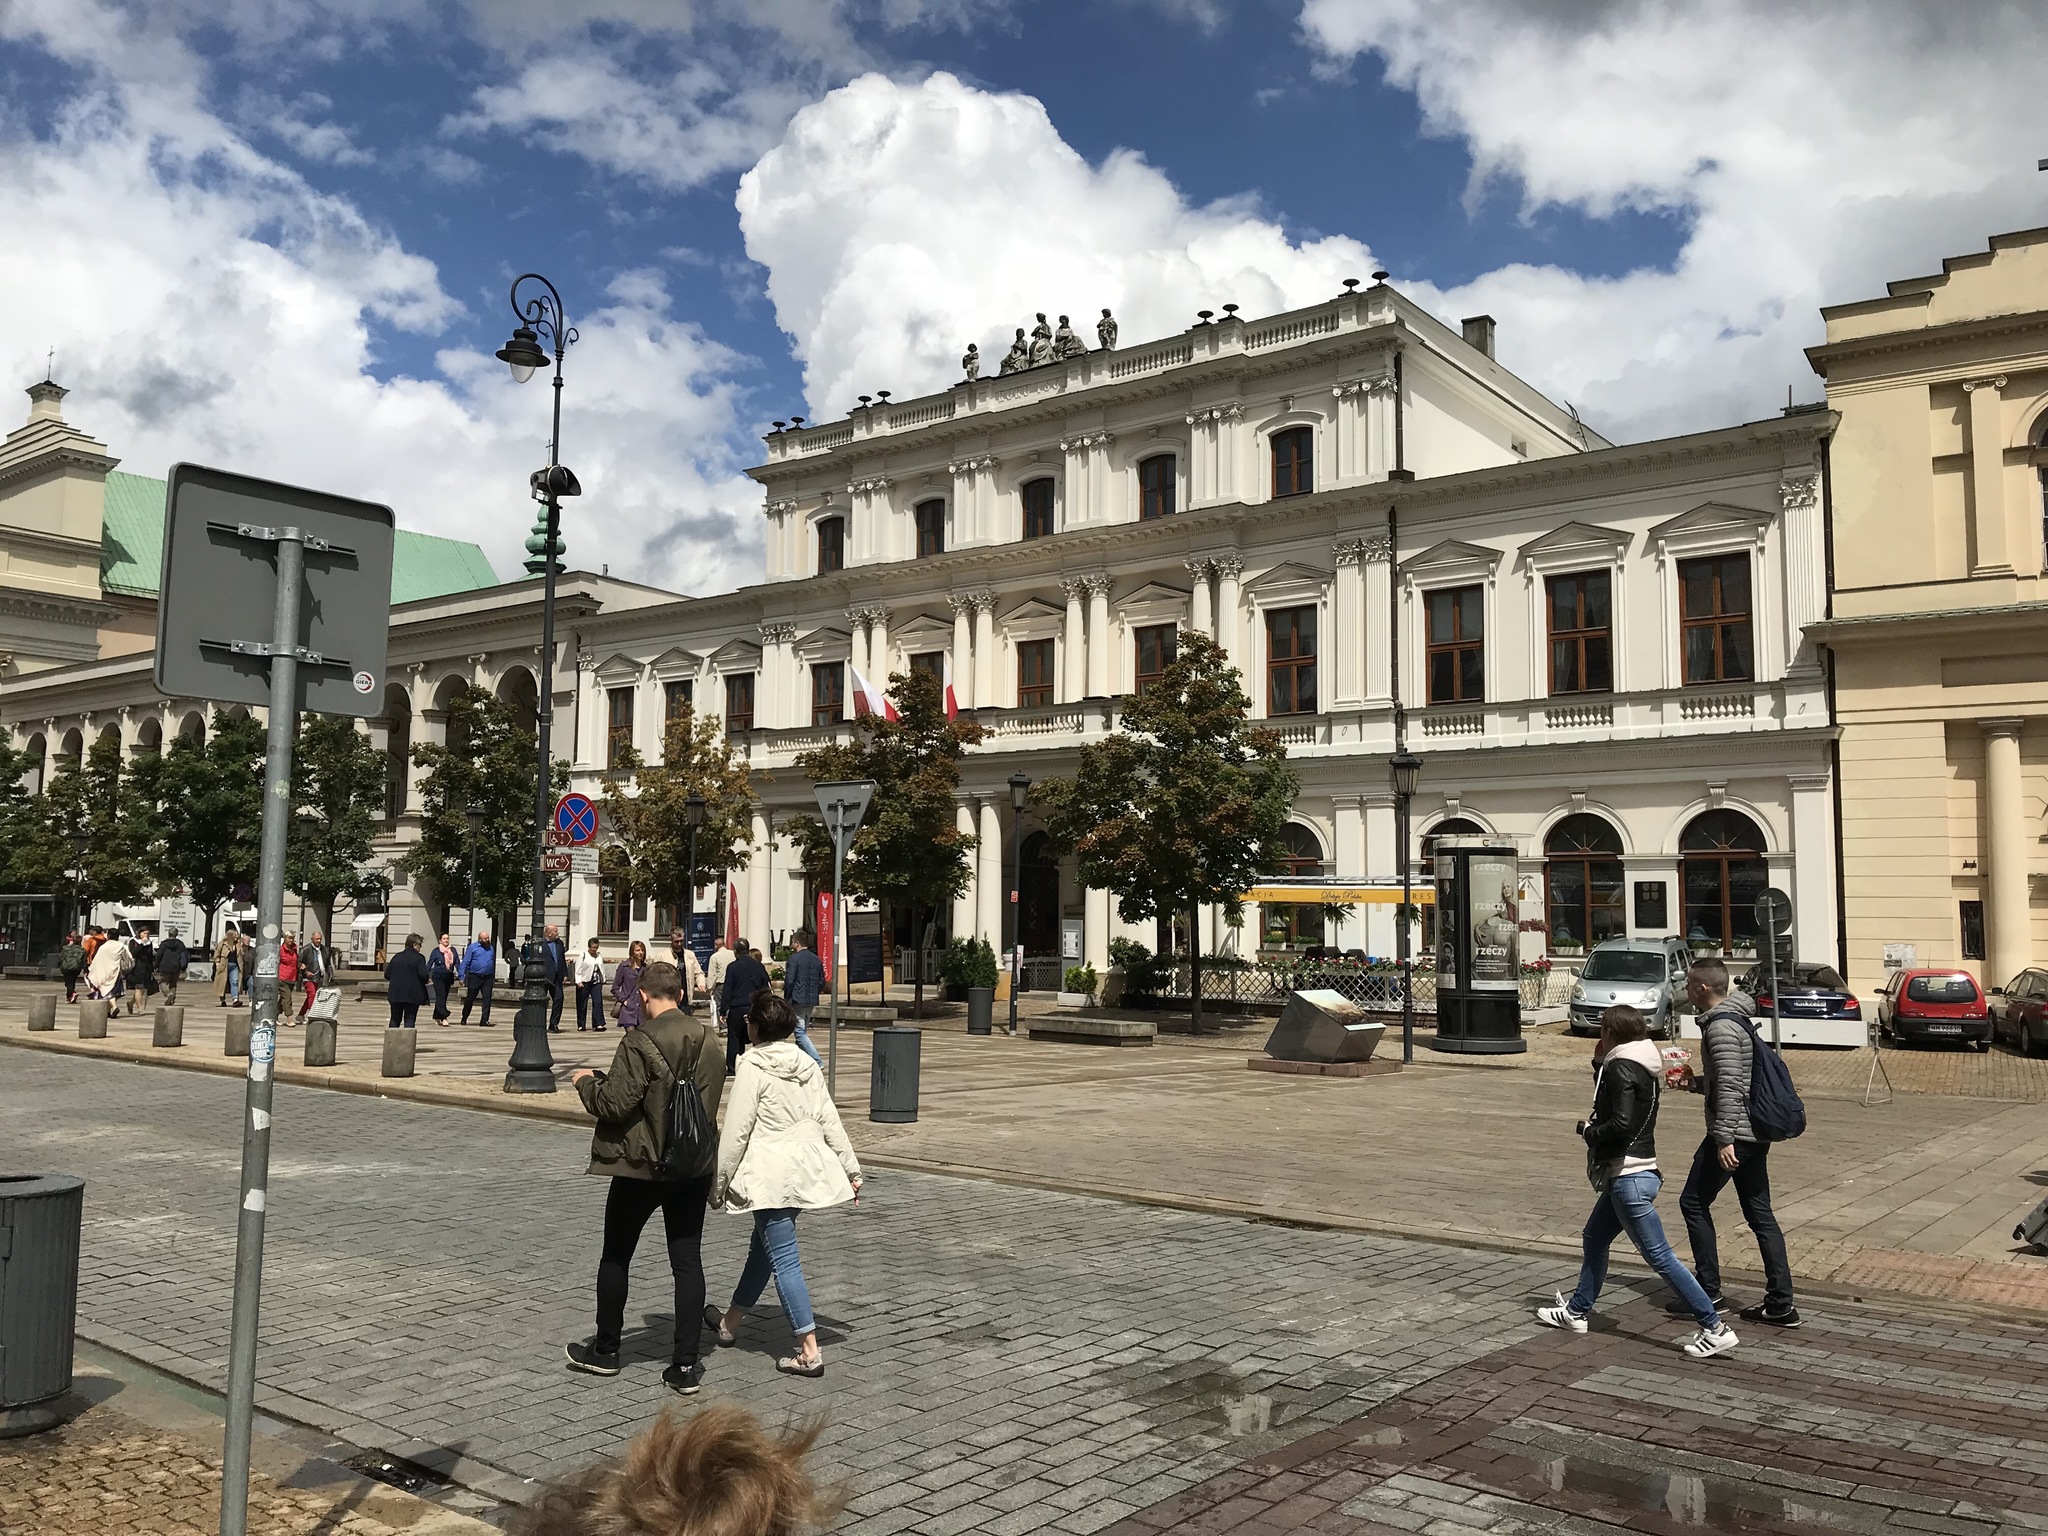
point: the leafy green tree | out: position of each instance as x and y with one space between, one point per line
644 809
211 807
1181 808
337 801
116 806
909 853
21 825
491 766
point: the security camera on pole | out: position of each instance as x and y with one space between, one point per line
844 805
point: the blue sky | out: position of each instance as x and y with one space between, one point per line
277 233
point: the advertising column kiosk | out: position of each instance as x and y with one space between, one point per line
1478 959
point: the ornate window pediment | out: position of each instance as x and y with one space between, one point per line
824 644
677 663
1288 582
736 655
1451 561
617 671
1154 603
1033 618
1711 525
1576 544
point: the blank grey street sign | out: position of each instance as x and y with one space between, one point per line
845 806
218 594
1774 910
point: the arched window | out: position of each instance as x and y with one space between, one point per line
930 517
1156 487
1293 462
1297 854
1037 498
397 750
831 545
1723 872
1038 897
38 752
193 729
71 755
149 739
1583 884
2041 458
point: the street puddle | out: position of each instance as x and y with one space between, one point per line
1251 1414
1712 1503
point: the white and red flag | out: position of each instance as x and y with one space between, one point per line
870 700
952 700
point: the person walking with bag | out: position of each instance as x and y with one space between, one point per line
227 967
782 1150
803 983
443 966
407 983
107 972
670 1053
141 970
1621 1165
315 970
626 985
71 965
1732 1152
479 974
287 977
590 987
745 979
171 959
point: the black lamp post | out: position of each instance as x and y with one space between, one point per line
80 841
693 818
542 329
1404 767
1020 788
473 813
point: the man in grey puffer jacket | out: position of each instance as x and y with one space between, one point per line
1732 1151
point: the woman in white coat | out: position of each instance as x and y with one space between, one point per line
782 1150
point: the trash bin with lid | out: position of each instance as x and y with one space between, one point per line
892 1078
40 1216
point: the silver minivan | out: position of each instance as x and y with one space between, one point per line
1647 974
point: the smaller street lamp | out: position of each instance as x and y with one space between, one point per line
523 354
80 841
1020 789
473 813
693 818
1405 768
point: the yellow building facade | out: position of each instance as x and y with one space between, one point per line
1938 613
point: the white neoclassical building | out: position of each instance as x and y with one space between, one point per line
1600 649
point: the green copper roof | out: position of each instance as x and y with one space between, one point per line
132 549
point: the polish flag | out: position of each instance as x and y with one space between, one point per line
870 700
952 700
732 915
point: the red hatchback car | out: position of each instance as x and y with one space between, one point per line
1934 1005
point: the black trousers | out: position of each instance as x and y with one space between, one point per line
441 986
405 1015
471 986
555 1008
682 1204
589 1004
1752 1180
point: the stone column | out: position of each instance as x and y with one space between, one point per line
878 648
989 890
1991 553
1201 617
1805 565
1347 618
1098 636
857 648
1074 674
1378 569
1813 876
760 866
963 648
1347 435
964 903
2004 854
776 685
1228 569
1348 862
1379 425
1074 486
1201 458
966 529
1382 860
984 650
1095 908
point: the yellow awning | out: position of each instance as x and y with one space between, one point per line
1339 895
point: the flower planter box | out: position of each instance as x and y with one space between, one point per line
1072 1001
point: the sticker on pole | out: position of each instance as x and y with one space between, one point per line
262 1044
365 682
576 819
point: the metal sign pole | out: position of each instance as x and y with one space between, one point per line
283 730
1775 1044
838 813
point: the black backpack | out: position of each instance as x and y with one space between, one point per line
1776 1112
689 1147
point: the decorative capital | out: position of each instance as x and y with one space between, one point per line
1098 584
781 505
1995 382
1361 551
1379 384
1799 492
961 602
586 661
983 601
868 615
1227 565
478 658
1074 588
1199 568
865 487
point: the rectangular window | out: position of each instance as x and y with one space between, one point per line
618 728
930 517
1157 646
1291 661
1037 495
1293 466
1156 487
1713 606
931 664
828 692
739 702
1034 673
831 545
676 700
1456 655
1581 638
1972 915
614 910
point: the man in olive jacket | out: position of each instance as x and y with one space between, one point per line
631 1102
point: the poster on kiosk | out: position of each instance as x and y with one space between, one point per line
1478 955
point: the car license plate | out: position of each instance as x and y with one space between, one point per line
1943 1029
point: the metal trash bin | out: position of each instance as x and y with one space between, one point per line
892 1078
40 1216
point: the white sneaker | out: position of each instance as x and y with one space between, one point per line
1709 1342
1562 1316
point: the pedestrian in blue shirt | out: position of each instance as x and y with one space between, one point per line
803 983
479 974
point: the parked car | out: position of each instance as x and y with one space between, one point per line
1806 990
2019 1013
1934 1004
1647 974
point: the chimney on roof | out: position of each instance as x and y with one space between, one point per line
1479 332
46 400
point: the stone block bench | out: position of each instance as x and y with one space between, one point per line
1092 1029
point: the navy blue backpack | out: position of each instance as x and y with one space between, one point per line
1776 1112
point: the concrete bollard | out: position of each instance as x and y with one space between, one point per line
92 1018
238 1032
399 1047
42 1012
170 1026
320 1042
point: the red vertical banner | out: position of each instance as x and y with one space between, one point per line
827 927
732 916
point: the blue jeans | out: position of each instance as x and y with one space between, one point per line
774 1248
803 1036
1630 1205
234 981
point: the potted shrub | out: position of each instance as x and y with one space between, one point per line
1078 987
971 965
1135 974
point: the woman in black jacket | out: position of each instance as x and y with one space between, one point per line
405 976
1621 1165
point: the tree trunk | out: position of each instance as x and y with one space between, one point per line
1195 966
323 909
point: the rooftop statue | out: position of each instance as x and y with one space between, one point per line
970 365
1105 331
1017 358
1041 342
1065 343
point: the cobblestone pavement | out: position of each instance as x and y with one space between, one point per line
1002 1359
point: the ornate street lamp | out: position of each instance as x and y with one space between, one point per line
1020 788
693 818
1404 768
80 841
473 813
542 330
